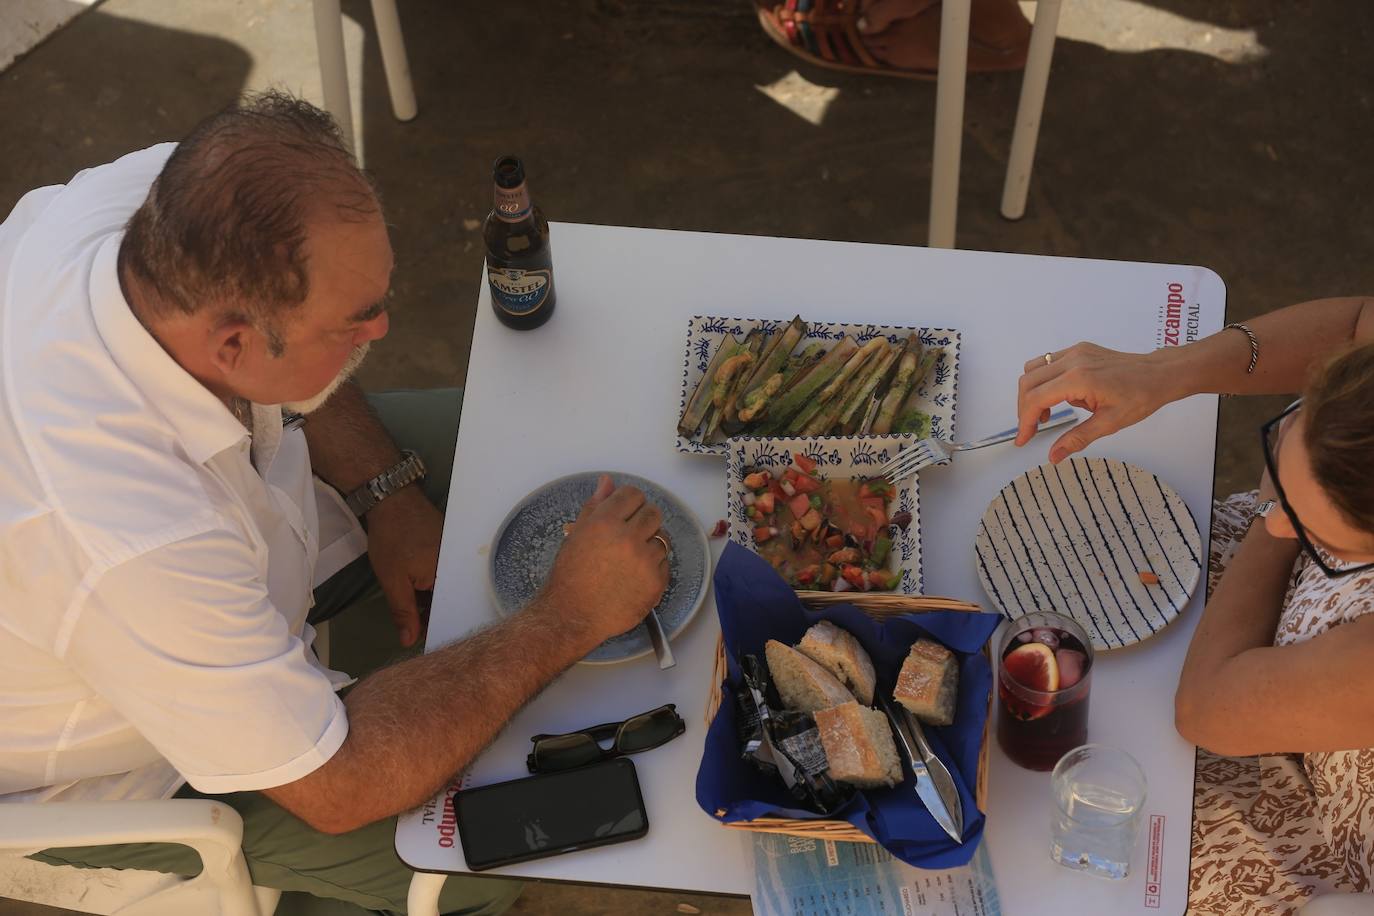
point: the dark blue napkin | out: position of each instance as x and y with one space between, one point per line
756 605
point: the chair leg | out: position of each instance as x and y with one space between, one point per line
394 60
423 899
333 65
1029 109
949 122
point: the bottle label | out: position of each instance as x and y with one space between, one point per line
512 204
519 292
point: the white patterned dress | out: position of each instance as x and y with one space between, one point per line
1271 831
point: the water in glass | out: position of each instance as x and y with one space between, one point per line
1099 797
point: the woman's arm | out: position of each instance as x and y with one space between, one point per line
1124 388
1240 695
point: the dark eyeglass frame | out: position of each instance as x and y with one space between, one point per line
1272 463
598 733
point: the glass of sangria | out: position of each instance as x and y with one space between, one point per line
1044 673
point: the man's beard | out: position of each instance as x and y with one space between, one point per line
310 405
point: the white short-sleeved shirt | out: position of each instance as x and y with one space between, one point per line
156 563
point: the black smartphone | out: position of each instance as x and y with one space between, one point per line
550 813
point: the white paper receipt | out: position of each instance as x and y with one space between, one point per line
803 877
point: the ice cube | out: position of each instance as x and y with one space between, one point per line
1047 636
1071 664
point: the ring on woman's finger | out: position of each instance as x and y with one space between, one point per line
1049 358
667 549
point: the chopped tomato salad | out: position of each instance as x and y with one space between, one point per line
823 534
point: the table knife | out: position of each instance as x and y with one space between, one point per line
939 773
659 639
952 822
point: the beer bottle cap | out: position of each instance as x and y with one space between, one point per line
509 172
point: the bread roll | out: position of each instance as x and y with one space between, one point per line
858 746
840 653
928 683
802 684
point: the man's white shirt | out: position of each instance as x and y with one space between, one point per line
156 562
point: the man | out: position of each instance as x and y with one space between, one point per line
160 528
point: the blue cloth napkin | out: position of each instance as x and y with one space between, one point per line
756 605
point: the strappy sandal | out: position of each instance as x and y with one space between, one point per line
826 33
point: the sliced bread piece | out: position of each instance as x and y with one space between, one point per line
928 683
858 746
802 684
839 652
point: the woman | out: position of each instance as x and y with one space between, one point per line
1280 673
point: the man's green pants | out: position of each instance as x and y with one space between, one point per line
283 852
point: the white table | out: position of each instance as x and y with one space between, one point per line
597 388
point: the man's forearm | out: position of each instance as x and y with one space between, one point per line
348 444
414 725
1291 341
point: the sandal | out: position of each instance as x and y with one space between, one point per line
826 33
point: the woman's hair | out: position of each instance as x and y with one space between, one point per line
225 222
1339 433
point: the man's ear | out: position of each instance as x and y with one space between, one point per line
230 340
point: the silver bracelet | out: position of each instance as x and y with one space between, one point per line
1254 345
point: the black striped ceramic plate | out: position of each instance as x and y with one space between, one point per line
1104 542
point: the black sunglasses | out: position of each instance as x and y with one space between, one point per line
1269 437
638 733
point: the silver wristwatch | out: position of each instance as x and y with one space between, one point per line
401 474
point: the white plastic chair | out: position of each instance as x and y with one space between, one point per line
334 68
212 829
949 116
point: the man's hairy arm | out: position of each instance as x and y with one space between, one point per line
348 444
415 724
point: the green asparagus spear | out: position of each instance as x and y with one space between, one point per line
756 402
802 391
824 423
697 404
901 384
854 411
911 420
744 361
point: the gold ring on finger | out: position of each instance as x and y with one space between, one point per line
667 550
1049 358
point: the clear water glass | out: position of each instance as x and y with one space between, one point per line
1099 795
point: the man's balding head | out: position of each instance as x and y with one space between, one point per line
225 223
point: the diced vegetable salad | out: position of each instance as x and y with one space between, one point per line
823 534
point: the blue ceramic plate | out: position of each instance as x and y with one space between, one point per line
937 393
525 545
1102 541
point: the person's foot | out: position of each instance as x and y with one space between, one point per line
905 34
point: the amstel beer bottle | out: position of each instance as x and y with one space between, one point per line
519 260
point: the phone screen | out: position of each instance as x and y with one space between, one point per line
550 813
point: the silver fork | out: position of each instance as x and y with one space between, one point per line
931 452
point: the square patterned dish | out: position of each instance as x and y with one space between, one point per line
935 394
836 457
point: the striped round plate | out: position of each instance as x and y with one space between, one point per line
1104 542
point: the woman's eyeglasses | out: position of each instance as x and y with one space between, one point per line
637 733
1270 435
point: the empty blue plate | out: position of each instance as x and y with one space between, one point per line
528 540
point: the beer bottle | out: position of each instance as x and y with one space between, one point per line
519 260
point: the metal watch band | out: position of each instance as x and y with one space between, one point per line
1262 510
401 474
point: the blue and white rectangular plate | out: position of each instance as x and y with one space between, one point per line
937 392
836 457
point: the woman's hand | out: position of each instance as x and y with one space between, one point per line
1120 389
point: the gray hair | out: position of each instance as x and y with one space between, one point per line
224 223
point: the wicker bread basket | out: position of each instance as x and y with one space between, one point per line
878 605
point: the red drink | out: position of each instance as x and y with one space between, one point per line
1044 674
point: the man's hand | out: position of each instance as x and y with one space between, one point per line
1119 388
403 533
611 570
